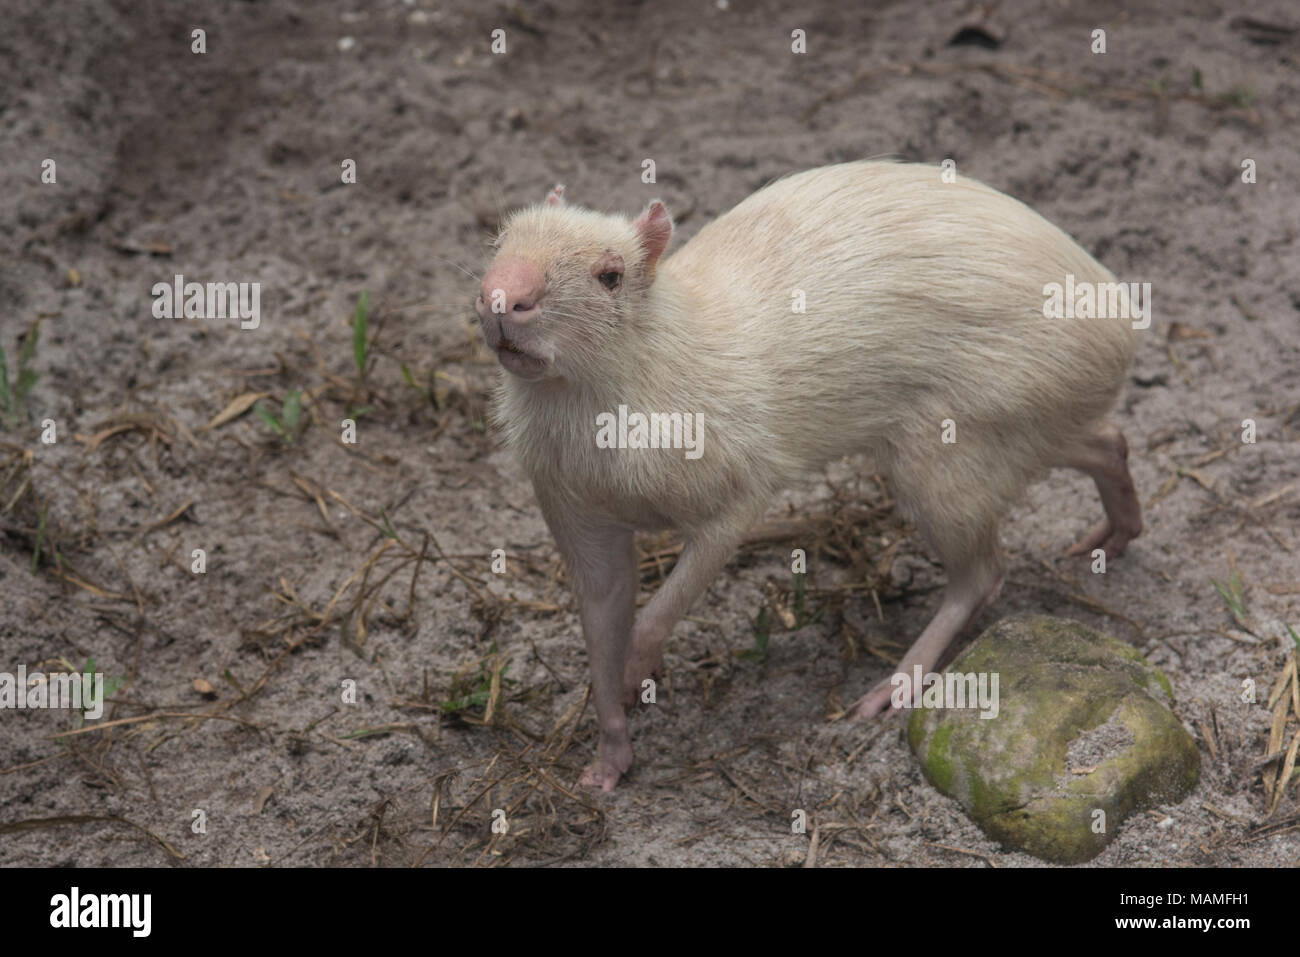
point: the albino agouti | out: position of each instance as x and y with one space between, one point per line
869 307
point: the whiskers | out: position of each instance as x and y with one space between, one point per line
478 278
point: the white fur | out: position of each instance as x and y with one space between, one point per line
924 303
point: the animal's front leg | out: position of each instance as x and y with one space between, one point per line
703 557
601 560
607 593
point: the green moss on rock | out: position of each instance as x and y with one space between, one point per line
1057 680
937 762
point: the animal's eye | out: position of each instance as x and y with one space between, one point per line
610 279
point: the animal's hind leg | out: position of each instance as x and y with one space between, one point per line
1102 454
975 574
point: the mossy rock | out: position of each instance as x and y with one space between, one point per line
1064 691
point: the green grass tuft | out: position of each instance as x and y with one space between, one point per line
13 393
1234 596
360 346
288 424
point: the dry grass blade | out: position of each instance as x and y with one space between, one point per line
154 716
1288 766
92 441
1284 681
814 844
1276 735
313 492
39 823
1270 497
237 407
93 589
360 572
495 668
1077 597
575 712
150 425
961 850
164 522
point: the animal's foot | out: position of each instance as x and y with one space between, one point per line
640 666
599 776
612 761
874 702
1110 538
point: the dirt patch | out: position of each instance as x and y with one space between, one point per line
1098 745
367 566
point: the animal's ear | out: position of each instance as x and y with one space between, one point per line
654 228
556 196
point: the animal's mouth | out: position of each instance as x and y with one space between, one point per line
518 361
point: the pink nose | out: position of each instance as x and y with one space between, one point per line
511 289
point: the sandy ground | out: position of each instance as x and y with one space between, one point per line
225 166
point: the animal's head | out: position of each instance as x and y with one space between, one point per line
564 284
